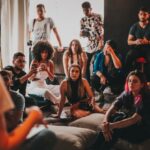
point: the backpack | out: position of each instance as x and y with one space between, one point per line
34 20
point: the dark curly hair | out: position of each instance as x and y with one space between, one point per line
40 47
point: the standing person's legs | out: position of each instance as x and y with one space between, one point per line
95 83
89 55
44 140
130 58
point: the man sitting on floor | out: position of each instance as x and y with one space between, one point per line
20 77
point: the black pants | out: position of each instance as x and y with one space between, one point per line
30 101
134 134
116 84
133 54
90 56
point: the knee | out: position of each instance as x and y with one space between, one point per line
46 94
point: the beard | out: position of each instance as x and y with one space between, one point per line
18 69
143 20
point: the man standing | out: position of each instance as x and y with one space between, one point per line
91 28
40 27
139 42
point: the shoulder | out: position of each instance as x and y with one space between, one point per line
97 15
9 68
85 82
16 94
50 62
83 19
19 98
83 54
100 54
49 19
63 84
148 25
66 53
34 61
134 26
125 97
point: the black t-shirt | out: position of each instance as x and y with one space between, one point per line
140 33
17 86
125 103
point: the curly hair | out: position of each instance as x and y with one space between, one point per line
40 47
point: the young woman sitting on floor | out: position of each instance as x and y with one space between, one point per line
43 52
79 94
131 120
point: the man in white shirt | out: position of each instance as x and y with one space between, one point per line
40 28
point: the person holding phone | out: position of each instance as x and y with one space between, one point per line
43 52
107 69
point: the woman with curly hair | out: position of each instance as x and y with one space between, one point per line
43 52
79 94
75 55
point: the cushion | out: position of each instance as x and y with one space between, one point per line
92 121
69 138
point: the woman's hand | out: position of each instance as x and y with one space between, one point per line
107 133
92 102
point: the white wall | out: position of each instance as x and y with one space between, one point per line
66 15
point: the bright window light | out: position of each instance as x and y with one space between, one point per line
66 15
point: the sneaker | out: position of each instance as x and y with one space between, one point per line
107 90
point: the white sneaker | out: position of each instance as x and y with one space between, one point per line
107 90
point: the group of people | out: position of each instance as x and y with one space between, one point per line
128 117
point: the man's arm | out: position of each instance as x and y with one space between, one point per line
131 40
58 38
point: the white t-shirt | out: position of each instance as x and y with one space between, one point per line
5 99
41 29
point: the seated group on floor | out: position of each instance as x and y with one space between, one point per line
128 117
